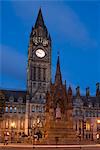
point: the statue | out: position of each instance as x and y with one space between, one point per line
58 112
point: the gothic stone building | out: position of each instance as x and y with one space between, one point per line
21 112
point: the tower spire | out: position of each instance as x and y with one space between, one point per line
39 20
58 76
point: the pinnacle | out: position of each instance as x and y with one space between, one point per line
58 77
39 20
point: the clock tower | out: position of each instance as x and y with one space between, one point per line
39 61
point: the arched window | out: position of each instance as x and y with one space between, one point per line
86 113
11 99
34 73
10 109
76 112
39 73
6 109
19 109
88 126
15 109
33 108
44 74
39 108
20 99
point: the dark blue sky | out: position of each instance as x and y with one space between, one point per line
74 27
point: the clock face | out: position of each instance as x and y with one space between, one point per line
40 53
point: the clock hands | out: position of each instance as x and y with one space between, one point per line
40 53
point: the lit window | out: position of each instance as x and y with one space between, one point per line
87 126
6 109
10 109
15 109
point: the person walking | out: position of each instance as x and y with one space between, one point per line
6 139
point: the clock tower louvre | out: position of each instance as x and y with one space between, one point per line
39 61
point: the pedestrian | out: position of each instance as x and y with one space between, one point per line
6 139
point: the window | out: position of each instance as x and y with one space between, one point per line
11 99
87 126
34 73
86 136
40 96
93 114
76 112
20 99
39 85
15 109
86 113
43 109
19 109
33 109
44 86
76 126
93 104
39 73
10 109
39 108
6 109
34 84
23 109
44 74
89 114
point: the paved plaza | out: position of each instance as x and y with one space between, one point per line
49 147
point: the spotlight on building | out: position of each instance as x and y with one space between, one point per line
98 121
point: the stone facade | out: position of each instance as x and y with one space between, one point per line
86 114
46 106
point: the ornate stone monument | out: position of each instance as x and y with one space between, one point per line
58 121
